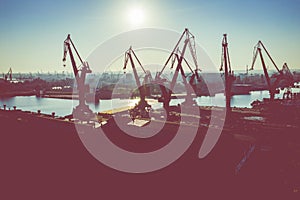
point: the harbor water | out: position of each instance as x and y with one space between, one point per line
63 107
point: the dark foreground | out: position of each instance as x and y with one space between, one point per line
43 158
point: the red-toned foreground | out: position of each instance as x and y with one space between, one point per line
43 158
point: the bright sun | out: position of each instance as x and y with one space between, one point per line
136 16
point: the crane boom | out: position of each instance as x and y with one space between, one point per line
263 46
265 69
179 66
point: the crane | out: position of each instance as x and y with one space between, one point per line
281 74
177 55
226 66
289 78
8 75
142 108
288 74
80 74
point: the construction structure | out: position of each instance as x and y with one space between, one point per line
82 111
177 56
142 108
8 75
280 75
228 73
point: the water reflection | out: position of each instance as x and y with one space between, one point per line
63 107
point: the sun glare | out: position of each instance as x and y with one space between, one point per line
136 16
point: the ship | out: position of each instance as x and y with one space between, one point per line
238 89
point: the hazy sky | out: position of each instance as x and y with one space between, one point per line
32 31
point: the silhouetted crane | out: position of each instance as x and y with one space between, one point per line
177 55
82 110
281 74
142 108
229 76
8 75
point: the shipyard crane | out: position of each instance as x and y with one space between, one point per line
142 109
281 74
80 74
8 75
177 55
226 67
289 77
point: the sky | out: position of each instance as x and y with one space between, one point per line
32 32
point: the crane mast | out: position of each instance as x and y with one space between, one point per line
80 75
229 77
